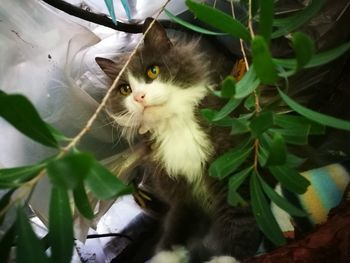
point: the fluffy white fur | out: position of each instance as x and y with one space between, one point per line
167 111
223 259
178 255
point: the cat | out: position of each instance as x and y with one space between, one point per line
157 101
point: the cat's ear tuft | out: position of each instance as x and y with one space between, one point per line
108 67
156 37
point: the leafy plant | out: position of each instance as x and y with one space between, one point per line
69 171
268 131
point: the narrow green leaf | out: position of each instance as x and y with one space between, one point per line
303 47
59 136
110 8
234 183
13 177
20 113
290 178
266 18
29 248
263 153
280 201
6 243
210 114
277 150
261 123
219 20
239 126
262 212
60 226
294 161
104 184
249 102
4 201
228 87
68 171
315 116
293 22
247 84
264 67
82 202
191 26
298 124
229 107
230 161
297 135
318 59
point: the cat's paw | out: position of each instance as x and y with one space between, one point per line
223 259
177 255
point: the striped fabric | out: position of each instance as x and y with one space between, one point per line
325 192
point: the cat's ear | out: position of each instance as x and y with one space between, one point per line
156 37
108 66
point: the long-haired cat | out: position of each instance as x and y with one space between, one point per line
158 100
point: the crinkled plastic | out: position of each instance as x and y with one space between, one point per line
49 57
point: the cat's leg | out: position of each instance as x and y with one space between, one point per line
234 232
183 223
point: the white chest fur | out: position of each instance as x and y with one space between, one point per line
182 147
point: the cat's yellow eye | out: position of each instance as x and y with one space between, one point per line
153 72
124 89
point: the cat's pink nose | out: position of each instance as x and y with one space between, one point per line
139 97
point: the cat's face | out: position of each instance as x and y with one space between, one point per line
163 81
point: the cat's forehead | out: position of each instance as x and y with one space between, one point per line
179 65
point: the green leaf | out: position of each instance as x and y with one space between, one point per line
318 59
293 22
230 106
228 87
234 183
262 213
249 103
60 226
20 113
6 243
230 161
5 200
104 184
261 123
191 26
263 153
247 84
70 170
277 150
239 126
294 161
210 114
266 18
218 19
13 177
59 136
315 116
82 202
303 47
298 124
264 67
29 248
280 201
290 178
